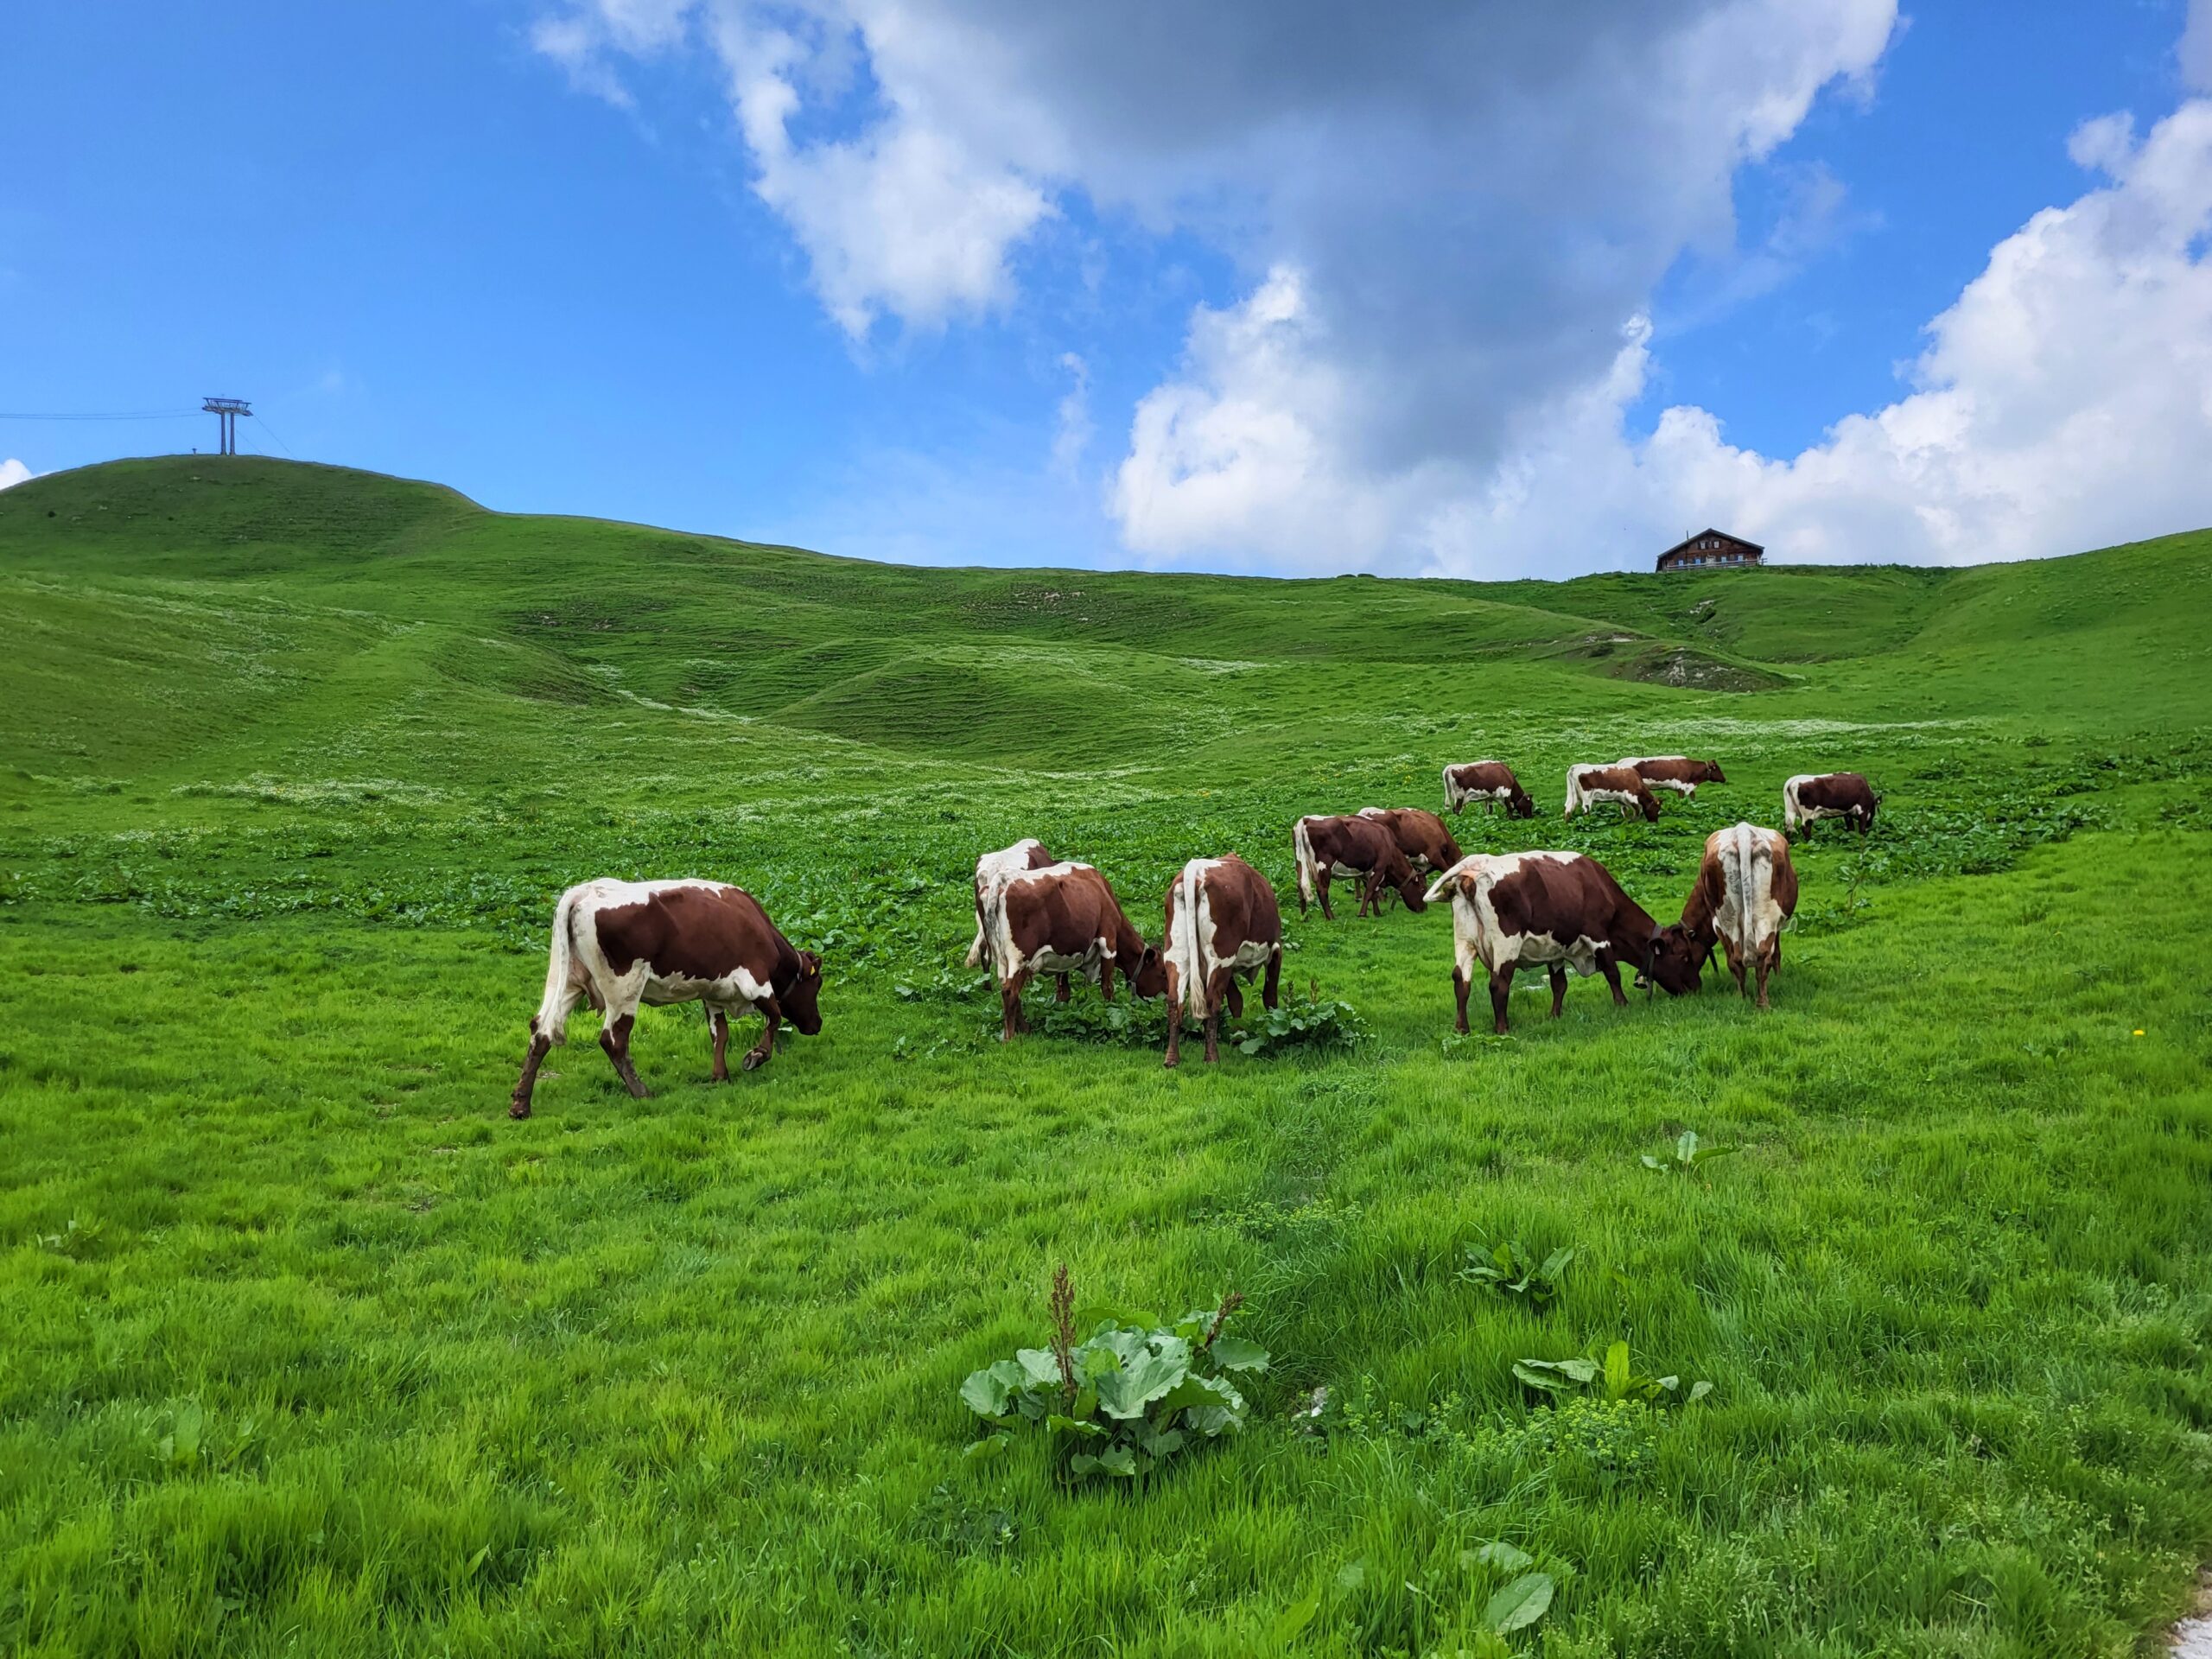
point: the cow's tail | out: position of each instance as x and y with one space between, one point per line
1452 797
1789 805
1574 792
974 958
1445 879
1183 946
990 916
552 1021
1309 872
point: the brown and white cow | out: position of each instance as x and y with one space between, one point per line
1589 787
1675 772
1222 921
1420 836
1810 797
1063 919
991 872
1356 846
617 945
1555 911
1490 782
1746 892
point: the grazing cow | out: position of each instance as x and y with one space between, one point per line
619 943
1746 892
991 872
1675 772
1489 782
1420 836
1810 797
1589 787
1549 909
1222 921
1060 920
1355 846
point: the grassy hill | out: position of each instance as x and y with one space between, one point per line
305 1344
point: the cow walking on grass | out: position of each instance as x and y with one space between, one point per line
1746 894
1555 911
1810 797
1223 921
1063 919
618 944
1618 785
1675 772
1358 848
1491 782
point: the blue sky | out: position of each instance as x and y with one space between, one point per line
941 281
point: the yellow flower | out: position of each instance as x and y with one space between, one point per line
2139 1030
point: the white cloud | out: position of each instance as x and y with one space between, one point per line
12 472
2196 49
1449 223
1072 429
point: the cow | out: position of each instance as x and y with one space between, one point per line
1589 787
1675 772
1355 846
619 943
1063 919
1745 894
1420 836
1549 909
991 871
1222 921
1489 782
1810 797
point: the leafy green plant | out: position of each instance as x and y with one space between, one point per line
1510 1269
1315 1022
1128 1397
1687 1154
1613 1378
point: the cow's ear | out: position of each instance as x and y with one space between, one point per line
810 965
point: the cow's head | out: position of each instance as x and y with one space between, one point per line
1409 886
1518 805
1149 978
1714 774
1648 803
1673 961
801 1003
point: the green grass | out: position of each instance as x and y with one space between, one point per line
304 1347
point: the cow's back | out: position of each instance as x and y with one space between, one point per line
701 931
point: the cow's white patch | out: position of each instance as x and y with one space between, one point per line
1007 959
992 870
1795 812
1750 916
1582 795
1478 936
1194 950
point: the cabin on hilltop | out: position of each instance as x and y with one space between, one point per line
1711 549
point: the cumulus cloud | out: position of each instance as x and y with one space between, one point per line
13 472
1443 226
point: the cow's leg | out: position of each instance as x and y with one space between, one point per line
761 1053
1214 986
719 1017
1612 974
1559 988
615 1037
1459 997
1060 992
1735 964
1501 993
1236 998
1764 965
1321 893
1271 987
1106 978
520 1106
1010 990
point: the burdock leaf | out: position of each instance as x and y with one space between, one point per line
1520 1604
1235 1354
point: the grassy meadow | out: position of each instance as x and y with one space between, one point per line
306 1348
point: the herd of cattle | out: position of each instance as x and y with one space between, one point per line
619 944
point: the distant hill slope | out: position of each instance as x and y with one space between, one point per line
174 600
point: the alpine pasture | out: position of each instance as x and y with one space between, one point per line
306 1348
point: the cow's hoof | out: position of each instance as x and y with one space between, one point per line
519 1108
753 1060
1171 1063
